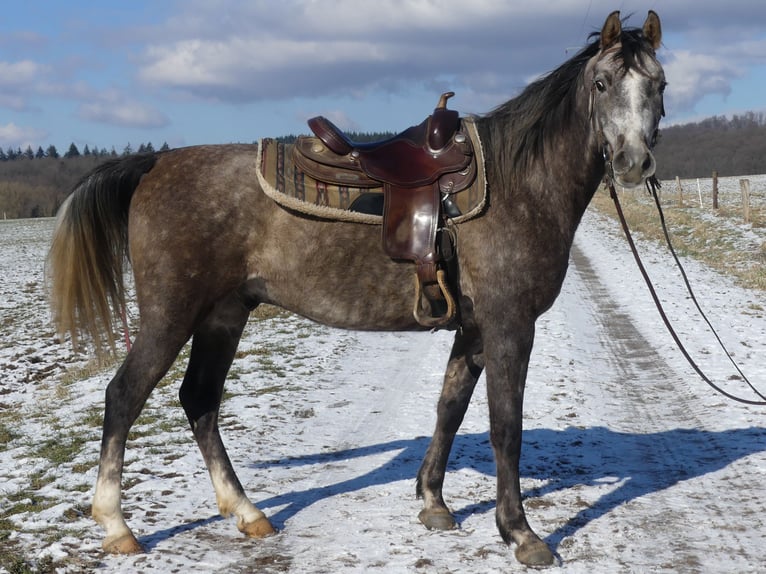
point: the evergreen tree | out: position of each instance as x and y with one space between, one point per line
28 153
72 151
40 153
86 150
128 150
165 147
52 152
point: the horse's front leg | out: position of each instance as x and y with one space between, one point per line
463 370
507 352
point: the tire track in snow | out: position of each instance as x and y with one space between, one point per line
651 399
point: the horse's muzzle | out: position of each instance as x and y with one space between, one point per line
633 165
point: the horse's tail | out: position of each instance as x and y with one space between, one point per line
89 249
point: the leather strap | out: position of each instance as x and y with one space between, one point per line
652 185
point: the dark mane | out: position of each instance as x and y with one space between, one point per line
521 128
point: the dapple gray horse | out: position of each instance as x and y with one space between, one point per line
207 246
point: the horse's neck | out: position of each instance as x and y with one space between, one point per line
571 166
577 158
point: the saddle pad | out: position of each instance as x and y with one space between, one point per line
286 184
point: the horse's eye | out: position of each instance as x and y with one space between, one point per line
663 85
600 85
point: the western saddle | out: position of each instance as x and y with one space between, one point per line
418 169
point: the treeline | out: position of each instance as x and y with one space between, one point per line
730 146
51 152
35 183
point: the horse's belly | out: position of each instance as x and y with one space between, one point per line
372 294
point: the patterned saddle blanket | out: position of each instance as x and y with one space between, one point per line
360 200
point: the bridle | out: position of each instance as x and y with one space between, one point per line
603 144
652 185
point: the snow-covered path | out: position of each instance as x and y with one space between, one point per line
630 463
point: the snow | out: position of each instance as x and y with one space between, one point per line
630 463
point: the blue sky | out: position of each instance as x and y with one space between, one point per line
108 74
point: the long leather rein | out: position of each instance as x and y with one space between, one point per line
652 184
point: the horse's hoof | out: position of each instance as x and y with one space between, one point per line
535 554
125 544
437 519
260 528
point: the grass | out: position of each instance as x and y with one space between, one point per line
6 436
718 238
60 450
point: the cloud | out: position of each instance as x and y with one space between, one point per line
17 136
119 112
257 51
18 81
489 50
693 75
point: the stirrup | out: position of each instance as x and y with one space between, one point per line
449 314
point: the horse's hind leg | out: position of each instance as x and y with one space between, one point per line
463 370
151 356
213 347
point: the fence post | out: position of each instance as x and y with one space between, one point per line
744 185
715 190
680 192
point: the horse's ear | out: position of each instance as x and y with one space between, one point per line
611 31
653 29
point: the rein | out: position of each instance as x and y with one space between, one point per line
652 184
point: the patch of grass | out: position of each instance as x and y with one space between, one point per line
6 528
268 312
83 467
27 501
703 234
6 436
93 416
90 369
60 450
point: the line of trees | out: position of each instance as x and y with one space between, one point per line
730 146
34 184
51 152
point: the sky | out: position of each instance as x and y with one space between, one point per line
188 72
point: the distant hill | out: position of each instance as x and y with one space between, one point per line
730 146
37 187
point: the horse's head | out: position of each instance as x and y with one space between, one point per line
627 84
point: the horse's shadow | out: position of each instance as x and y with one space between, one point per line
636 463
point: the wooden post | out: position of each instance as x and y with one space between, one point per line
699 192
680 192
715 190
744 185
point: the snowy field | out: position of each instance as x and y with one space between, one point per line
630 463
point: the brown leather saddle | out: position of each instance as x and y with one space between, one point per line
418 169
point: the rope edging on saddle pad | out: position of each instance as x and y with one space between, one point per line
339 214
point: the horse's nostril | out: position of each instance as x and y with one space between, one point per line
648 163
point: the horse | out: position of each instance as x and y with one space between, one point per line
206 247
